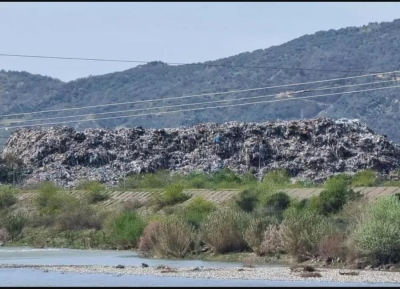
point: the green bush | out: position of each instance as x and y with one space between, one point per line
173 237
365 178
302 230
52 202
47 192
7 196
96 191
278 177
48 187
378 234
247 200
197 210
278 201
14 224
335 194
172 195
223 230
157 180
126 229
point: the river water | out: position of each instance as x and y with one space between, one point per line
31 277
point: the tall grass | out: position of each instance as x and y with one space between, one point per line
302 231
224 229
174 237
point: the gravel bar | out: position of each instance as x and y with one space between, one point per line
264 273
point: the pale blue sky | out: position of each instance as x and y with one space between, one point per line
170 32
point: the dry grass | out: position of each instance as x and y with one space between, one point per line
332 246
147 241
224 229
272 241
174 237
131 205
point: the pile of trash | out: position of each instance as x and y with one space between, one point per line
309 149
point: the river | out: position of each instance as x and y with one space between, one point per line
32 277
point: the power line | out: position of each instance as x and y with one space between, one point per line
191 104
173 63
202 108
198 95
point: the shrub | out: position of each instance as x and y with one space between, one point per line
147 241
174 237
225 178
157 180
52 202
271 243
7 196
254 234
247 200
223 230
131 205
79 217
378 235
277 178
365 178
96 191
14 224
314 204
48 187
173 195
332 246
47 192
277 202
126 229
197 180
197 210
301 231
335 194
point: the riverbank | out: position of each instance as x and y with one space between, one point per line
263 273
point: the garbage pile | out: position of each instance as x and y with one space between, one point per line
309 149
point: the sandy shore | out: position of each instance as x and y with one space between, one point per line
262 273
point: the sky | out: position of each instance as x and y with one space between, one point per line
170 32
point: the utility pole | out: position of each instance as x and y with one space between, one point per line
259 157
126 147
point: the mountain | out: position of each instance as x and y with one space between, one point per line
341 53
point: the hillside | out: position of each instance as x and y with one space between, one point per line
371 48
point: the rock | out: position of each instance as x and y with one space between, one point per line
120 267
309 269
144 265
328 261
310 275
353 273
368 267
309 149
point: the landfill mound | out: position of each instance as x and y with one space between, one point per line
309 149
